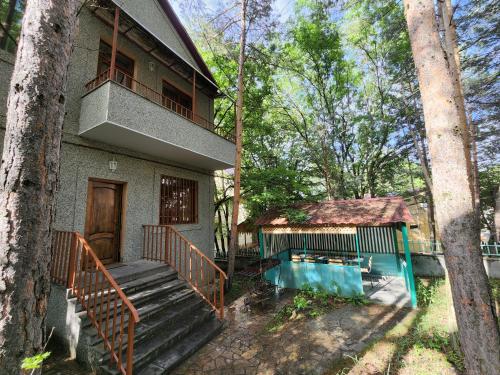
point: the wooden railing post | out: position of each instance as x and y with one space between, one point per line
70 281
179 252
113 44
130 345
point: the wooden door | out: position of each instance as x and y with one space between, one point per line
103 221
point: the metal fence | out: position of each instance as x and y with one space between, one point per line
435 247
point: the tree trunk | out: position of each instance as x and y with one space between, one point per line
4 37
29 175
239 135
458 224
497 215
450 42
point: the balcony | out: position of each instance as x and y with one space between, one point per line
121 111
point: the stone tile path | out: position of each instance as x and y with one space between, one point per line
301 347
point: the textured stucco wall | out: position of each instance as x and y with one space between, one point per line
118 105
142 196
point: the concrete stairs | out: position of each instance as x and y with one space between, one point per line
174 321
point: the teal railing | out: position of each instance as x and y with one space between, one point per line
435 247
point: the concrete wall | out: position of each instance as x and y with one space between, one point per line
112 109
434 266
142 196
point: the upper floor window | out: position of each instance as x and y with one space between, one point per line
176 99
11 15
124 65
178 201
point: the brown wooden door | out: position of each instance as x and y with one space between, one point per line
103 222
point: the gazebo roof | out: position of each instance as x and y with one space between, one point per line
367 211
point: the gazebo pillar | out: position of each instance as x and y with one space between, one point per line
411 280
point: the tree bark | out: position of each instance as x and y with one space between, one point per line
455 213
29 175
239 135
450 42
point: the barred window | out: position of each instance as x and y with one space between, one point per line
178 201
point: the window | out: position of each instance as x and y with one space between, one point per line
11 15
178 201
176 97
124 65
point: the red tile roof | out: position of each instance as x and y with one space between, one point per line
369 211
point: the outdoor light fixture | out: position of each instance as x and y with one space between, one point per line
113 164
151 66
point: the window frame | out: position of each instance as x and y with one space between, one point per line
175 215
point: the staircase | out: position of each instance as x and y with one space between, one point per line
174 320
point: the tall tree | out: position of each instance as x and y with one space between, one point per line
474 308
233 244
29 175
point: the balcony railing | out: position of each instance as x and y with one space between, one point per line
141 89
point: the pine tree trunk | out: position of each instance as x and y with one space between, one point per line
458 224
29 175
233 245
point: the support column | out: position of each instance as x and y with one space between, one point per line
261 243
409 267
112 66
396 246
194 93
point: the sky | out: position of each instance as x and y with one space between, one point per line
283 8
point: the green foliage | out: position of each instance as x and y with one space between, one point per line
300 302
35 362
489 181
426 292
311 302
296 216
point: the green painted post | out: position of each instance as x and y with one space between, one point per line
261 243
357 248
305 243
396 246
413 294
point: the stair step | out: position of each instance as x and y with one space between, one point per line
171 358
138 285
137 270
147 348
164 317
168 359
144 296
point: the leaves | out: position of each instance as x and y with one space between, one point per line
35 362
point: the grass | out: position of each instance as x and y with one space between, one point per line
309 303
424 342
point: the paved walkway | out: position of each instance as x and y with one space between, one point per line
301 347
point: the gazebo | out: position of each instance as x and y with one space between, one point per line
338 244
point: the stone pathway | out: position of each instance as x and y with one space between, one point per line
301 347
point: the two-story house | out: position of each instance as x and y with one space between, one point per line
133 233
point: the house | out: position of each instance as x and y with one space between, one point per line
135 288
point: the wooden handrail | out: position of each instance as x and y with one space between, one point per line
165 244
126 80
75 265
